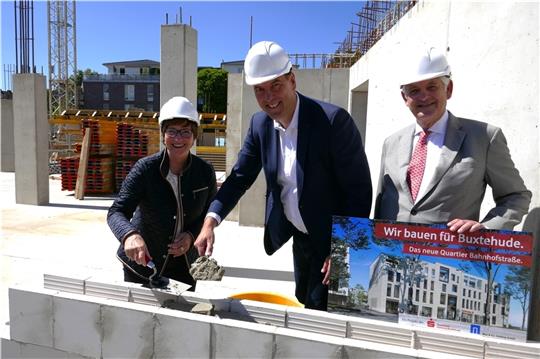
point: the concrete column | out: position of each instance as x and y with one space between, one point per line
178 68
7 145
31 132
359 102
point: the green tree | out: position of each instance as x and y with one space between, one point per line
80 75
339 272
518 285
212 89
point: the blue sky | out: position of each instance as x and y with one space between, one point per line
130 30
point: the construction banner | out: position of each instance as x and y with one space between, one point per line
425 275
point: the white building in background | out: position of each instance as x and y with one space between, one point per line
437 291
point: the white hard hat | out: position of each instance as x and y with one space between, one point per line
431 64
178 107
265 61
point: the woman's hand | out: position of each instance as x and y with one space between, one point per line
136 250
181 244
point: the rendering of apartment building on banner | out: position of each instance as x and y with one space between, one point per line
434 290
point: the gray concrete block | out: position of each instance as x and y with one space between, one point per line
260 312
360 349
180 334
294 344
77 326
12 349
316 321
237 339
127 332
31 316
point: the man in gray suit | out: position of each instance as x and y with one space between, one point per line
436 170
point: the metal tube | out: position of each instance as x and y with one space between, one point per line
15 28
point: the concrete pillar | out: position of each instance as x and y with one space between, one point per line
178 67
7 144
359 102
31 132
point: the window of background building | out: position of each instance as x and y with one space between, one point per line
430 297
443 299
129 92
396 291
425 283
414 309
440 313
463 302
127 107
444 287
398 277
122 70
426 312
389 290
106 92
453 276
444 274
424 297
390 276
454 288
464 292
150 93
432 284
417 295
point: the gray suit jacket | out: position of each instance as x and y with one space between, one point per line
474 154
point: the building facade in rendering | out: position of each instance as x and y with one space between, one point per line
434 290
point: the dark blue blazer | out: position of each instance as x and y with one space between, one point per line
332 173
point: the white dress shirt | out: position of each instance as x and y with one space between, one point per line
288 141
435 142
286 176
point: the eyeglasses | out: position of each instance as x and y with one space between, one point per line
184 132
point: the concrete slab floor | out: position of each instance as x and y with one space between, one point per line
71 237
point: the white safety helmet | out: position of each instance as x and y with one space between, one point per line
265 61
178 107
431 64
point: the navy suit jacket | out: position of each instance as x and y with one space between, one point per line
332 173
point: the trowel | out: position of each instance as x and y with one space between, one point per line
163 283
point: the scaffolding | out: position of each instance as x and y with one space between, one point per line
62 56
374 20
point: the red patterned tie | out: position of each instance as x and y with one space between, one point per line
415 172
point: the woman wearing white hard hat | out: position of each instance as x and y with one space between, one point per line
161 206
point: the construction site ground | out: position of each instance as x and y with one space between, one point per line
71 237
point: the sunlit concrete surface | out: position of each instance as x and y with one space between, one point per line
71 237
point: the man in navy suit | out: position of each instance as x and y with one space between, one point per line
314 164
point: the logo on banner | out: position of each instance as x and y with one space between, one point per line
475 329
